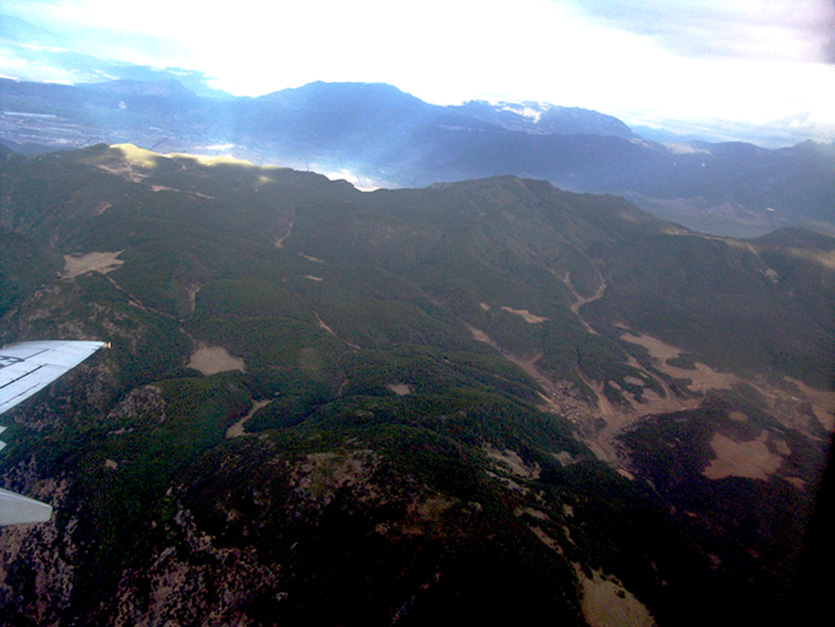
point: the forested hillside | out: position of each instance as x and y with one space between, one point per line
477 401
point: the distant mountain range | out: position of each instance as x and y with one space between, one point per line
376 135
488 401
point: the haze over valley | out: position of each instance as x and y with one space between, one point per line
378 136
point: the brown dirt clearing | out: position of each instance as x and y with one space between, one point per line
329 330
237 429
104 262
526 315
401 389
213 359
510 460
703 378
606 603
823 404
751 460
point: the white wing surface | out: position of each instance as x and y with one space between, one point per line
16 509
26 368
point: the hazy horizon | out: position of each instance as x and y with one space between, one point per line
729 70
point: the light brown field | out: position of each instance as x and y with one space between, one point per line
703 378
606 603
237 429
213 359
510 460
750 459
104 262
823 403
526 315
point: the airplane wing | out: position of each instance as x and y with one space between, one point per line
26 368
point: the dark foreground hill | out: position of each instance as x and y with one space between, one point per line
482 401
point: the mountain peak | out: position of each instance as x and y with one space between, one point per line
542 118
343 91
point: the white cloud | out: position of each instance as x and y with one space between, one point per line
789 30
734 61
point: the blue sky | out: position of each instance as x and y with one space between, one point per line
727 66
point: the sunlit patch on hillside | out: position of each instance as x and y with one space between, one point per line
127 161
137 156
819 257
103 262
212 160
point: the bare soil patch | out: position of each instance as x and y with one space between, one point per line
191 291
530 512
703 378
278 242
126 171
165 188
526 315
607 603
481 336
401 389
545 538
104 262
657 349
328 329
237 429
750 459
510 460
823 404
213 359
